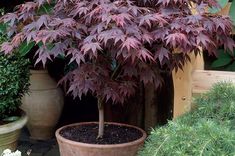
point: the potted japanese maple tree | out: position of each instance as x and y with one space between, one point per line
115 44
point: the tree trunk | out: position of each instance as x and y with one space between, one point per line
101 118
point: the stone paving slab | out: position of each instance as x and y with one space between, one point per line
54 151
30 147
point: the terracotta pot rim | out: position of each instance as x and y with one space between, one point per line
135 142
12 126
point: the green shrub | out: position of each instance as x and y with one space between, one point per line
206 131
204 138
14 81
218 103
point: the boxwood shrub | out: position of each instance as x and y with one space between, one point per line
206 131
14 81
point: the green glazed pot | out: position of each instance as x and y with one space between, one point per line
9 133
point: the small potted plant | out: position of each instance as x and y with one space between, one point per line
14 83
116 44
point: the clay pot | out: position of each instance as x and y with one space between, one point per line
9 133
43 105
72 148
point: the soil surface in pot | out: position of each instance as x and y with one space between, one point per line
4 122
113 134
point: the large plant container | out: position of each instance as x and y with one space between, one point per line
43 104
9 133
73 148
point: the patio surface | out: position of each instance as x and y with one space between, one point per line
35 147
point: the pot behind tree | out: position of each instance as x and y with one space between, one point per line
43 104
73 148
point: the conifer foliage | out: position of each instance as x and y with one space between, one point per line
207 130
116 43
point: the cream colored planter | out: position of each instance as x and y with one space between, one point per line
10 133
43 105
72 148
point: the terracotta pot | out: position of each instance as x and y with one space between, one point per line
43 105
72 148
9 133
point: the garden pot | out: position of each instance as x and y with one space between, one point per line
73 148
43 105
9 133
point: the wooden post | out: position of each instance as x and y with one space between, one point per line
182 85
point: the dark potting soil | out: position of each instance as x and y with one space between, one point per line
113 134
3 122
12 117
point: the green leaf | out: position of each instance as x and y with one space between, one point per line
222 3
45 9
3 28
232 12
61 56
25 48
49 46
231 67
223 54
40 44
220 62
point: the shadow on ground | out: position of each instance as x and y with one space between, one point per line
30 147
